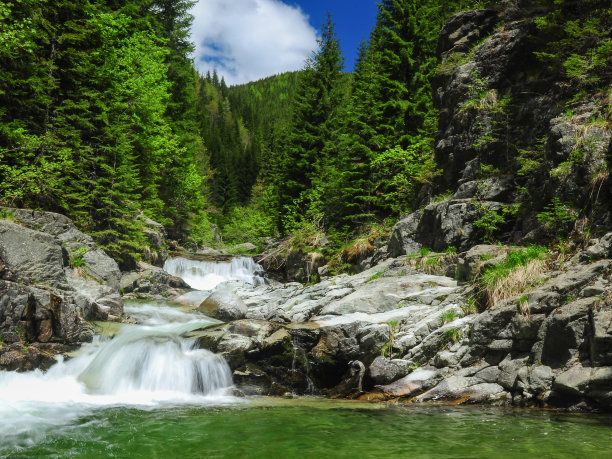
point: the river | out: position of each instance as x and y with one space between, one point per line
148 392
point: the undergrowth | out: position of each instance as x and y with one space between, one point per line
520 270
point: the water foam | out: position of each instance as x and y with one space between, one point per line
206 275
143 366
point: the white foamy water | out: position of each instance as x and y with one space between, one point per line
206 275
142 366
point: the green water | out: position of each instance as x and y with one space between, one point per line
311 428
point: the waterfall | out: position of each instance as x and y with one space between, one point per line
206 275
143 365
155 359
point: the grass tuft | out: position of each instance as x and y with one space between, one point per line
520 270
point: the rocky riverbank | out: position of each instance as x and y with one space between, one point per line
403 329
54 280
397 332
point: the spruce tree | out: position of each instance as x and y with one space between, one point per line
317 98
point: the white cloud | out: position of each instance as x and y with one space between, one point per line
246 40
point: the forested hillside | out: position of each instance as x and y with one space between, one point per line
97 116
103 117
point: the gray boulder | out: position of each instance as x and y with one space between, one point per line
384 371
30 257
53 279
223 305
151 281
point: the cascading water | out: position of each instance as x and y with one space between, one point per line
143 365
206 275
147 365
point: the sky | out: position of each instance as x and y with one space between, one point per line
246 40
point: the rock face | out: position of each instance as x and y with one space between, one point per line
512 135
53 279
395 332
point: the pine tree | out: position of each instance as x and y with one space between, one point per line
316 101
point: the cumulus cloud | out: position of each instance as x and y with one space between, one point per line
246 40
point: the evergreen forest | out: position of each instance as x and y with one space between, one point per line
104 118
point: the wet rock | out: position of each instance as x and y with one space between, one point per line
540 379
34 314
573 381
383 371
29 357
415 383
223 305
465 390
151 281
509 370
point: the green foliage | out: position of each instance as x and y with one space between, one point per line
579 48
250 223
94 121
470 306
387 349
556 216
448 316
453 335
532 159
489 221
7 214
400 172
76 257
374 276
513 260
451 249
424 251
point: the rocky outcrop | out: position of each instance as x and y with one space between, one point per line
150 281
394 331
515 140
53 280
287 265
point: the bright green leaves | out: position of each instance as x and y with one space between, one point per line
400 172
579 48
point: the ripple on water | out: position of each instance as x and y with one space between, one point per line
322 428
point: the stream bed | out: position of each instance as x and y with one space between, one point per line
148 392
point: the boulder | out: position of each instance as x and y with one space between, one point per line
31 257
151 281
53 280
439 226
223 305
383 371
413 384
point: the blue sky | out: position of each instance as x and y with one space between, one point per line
246 40
353 18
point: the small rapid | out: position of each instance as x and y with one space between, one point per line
206 275
144 366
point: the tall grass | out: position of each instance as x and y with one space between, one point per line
520 270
